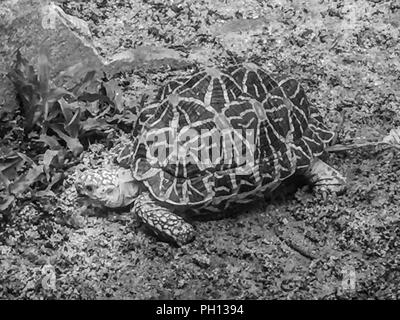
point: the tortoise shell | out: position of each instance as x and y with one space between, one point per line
224 136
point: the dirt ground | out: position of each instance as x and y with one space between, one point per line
347 56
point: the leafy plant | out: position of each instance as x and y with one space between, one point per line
56 118
36 97
11 163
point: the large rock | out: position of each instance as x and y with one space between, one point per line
31 24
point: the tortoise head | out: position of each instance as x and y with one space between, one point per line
111 187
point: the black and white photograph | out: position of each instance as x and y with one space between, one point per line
218 151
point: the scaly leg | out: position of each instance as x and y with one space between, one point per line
324 178
164 223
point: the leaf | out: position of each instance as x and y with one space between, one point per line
94 124
74 125
52 158
49 157
27 86
32 116
93 107
49 141
7 152
90 97
26 158
73 144
22 71
54 179
9 199
71 112
23 182
114 93
128 117
4 180
67 109
10 166
47 192
87 81
56 94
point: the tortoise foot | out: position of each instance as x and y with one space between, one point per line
166 225
325 179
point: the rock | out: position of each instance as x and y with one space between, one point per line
148 58
29 25
201 260
239 25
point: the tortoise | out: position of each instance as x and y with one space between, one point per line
217 138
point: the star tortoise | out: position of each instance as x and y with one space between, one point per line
211 140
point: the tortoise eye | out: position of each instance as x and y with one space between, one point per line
89 188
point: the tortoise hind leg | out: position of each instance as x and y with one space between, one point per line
161 221
324 178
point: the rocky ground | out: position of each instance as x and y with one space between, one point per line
301 246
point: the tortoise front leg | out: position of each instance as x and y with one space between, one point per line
324 178
164 223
